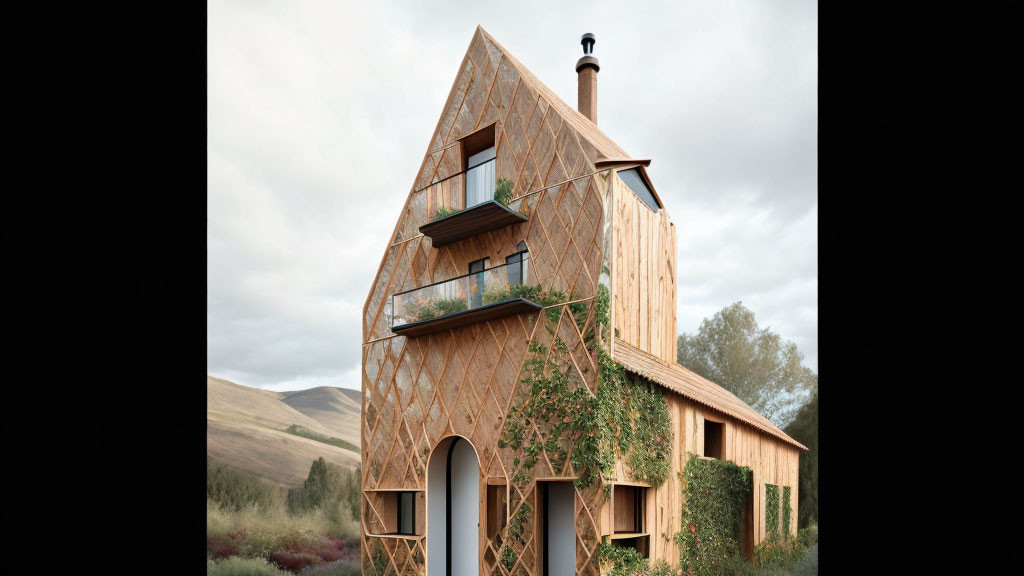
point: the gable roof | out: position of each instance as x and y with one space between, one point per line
583 126
695 387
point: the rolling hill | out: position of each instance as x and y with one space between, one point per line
246 428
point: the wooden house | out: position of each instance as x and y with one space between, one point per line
530 249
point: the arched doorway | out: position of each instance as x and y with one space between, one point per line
453 509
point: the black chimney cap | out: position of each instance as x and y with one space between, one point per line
588 42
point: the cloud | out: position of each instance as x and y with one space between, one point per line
319 114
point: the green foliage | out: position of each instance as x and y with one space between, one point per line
713 502
753 363
804 429
235 490
518 523
786 511
443 212
808 536
237 566
307 433
626 561
773 551
771 508
329 487
627 415
429 309
503 191
508 557
634 413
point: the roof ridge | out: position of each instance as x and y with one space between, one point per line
583 125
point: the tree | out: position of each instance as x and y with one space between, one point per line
804 429
753 363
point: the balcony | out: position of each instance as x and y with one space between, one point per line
485 210
494 293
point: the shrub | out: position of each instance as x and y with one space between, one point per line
331 488
235 566
808 536
503 191
236 490
775 552
808 563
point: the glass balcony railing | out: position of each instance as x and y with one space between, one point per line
495 292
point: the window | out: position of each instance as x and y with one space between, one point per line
629 522
406 521
714 439
479 281
636 183
629 509
479 155
517 273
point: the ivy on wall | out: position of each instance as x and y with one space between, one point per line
627 418
771 508
627 561
785 512
713 500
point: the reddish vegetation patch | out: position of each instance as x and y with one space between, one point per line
293 561
295 553
221 548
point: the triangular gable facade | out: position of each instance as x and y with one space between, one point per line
455 380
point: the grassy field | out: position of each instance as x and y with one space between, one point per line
255 527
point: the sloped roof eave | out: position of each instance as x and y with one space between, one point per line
696 388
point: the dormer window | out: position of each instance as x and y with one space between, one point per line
636 183
479 153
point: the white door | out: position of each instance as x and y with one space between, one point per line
453 512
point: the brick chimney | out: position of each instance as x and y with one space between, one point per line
586 71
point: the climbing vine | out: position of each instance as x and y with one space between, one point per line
626 561
785 512
771 508
713 500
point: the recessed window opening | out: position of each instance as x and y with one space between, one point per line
636 183
629 509
479 153
406 513
714 439
497 497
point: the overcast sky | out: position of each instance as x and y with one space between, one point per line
319 114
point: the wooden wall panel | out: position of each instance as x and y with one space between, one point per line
771 461
644 287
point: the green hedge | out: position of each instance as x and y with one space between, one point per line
771 508
785 512
713 502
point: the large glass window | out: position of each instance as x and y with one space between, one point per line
636 183
480 177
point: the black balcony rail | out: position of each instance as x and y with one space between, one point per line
495 292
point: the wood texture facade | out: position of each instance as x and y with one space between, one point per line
584 228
